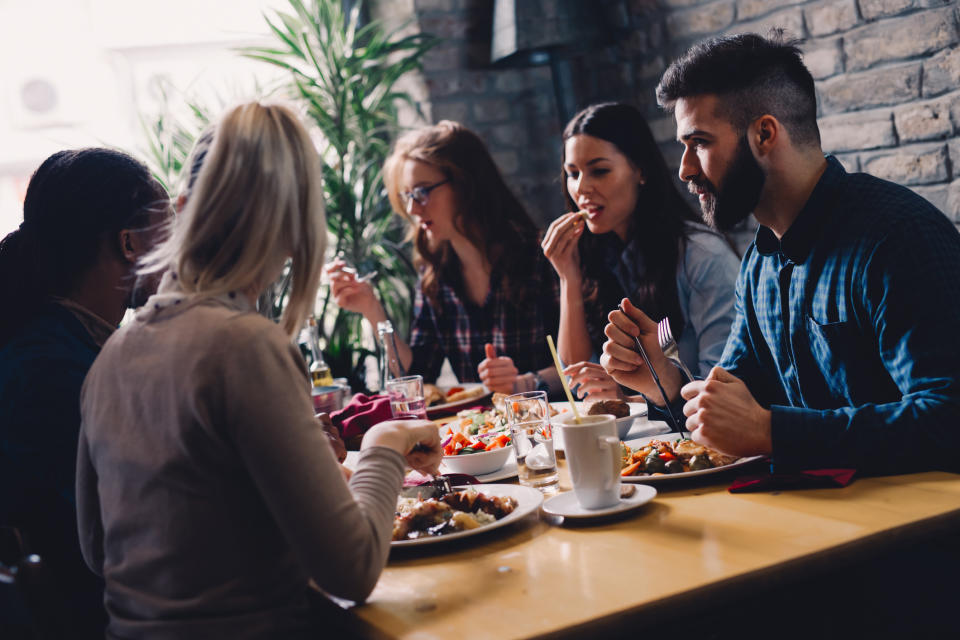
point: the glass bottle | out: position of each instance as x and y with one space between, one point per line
319 371
390 366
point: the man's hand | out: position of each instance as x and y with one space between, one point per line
498 373
621 360
722 414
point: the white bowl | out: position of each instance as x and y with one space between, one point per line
477 464
623 426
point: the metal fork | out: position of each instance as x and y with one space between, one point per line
442 483
678 426
349 268
669 346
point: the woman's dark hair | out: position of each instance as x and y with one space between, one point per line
657 225
74 199
488 214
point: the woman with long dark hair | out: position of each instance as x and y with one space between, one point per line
485 288
67 276
629 233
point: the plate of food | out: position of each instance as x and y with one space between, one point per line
466 511
442 400
626 414
667 457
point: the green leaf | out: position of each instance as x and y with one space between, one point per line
345 74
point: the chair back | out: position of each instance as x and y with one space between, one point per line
31 584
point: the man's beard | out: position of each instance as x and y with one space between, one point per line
739 193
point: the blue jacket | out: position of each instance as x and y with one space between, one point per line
42 369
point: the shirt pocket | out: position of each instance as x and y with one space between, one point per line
833 347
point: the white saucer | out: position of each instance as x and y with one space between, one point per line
566 505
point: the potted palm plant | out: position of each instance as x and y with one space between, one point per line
169 135
345 75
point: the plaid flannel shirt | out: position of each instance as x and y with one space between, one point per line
458 329
848 330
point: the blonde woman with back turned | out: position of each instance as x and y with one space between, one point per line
207 493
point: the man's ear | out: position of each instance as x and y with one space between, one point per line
765 134
129 245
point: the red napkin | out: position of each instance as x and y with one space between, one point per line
813 479
361 413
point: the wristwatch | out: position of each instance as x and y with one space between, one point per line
539 383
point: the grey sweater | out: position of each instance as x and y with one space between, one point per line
207 493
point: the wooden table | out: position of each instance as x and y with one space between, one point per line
540 578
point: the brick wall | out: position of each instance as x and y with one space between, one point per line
887 72
513 110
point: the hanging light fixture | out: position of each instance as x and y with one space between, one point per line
529 33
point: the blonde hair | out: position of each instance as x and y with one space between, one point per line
256 200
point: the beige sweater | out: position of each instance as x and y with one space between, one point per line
207 493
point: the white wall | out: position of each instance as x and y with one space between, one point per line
103 60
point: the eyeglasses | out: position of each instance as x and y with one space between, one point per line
420 195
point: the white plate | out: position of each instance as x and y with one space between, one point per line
566 505
667 477
528 500
508 470
452 407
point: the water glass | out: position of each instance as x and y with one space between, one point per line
406 397
528 415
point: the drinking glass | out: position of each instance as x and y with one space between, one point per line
406 397
529 417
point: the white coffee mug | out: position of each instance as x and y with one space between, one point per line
593 455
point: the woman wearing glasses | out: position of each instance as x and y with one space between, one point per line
486 298
629 233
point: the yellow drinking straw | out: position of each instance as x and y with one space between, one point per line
563 380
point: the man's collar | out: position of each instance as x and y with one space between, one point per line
798 241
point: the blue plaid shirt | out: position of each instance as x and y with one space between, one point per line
848 330
458 329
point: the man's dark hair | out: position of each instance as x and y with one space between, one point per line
752 76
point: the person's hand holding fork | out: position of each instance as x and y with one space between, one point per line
625 365
353 293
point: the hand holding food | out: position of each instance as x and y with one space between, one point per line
589 378
560 246
349 292
498 373
621 360
721 413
